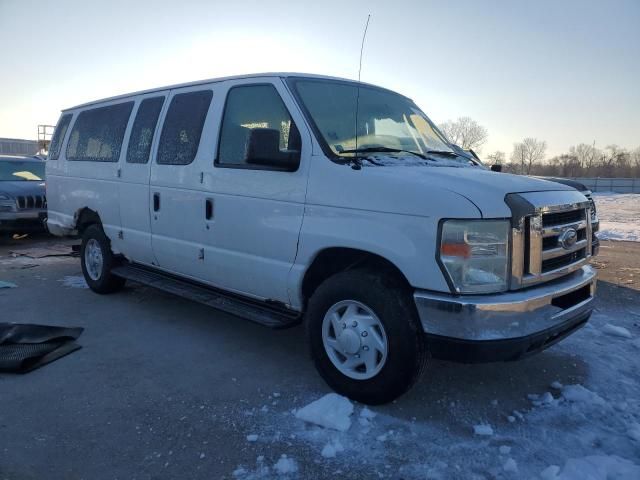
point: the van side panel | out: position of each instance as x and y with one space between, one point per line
59 222
74 185
134 194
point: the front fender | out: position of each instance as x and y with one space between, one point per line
407 241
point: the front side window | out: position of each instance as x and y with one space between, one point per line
143 128
98 133
385 119
257 131
21 171
58 136
183 127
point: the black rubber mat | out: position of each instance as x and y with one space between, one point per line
25 347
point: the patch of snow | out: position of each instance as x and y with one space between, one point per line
510 466
599 467
556 385
634 431
550 473
505 449
545 399
483 429
579 394
239 472
619 216
616 331
285 465
74 282
331 448
331 411
366 413
252 438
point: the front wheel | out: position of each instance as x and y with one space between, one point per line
365 336
97 260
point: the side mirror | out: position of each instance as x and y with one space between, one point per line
263 148
496 168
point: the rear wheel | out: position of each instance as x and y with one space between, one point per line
97 260
365 336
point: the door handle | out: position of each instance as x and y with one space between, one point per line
208 209
156 201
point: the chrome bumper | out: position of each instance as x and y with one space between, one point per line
511 315
34 214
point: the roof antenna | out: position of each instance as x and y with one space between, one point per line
357 165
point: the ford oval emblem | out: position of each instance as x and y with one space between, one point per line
568 238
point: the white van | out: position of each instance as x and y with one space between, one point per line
283 198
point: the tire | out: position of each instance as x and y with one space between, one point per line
365 292
97 260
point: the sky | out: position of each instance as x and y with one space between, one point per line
563 71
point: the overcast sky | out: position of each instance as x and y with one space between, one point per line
560 70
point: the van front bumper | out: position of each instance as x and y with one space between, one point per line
506 326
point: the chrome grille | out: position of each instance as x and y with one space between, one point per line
31 201
549 241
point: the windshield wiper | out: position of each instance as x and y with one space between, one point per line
385 150
443 152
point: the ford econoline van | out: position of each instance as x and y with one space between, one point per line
287 198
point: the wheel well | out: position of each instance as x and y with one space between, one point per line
334 260
85 217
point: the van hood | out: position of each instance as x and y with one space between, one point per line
486 189
445 191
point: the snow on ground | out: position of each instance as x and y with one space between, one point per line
74 281
619 215
573 431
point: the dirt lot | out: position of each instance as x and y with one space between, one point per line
166 388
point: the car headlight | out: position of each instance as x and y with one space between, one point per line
474 254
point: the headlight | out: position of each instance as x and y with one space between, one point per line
4 196
475 254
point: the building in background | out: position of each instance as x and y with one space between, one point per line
16 146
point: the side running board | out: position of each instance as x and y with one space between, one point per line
269 314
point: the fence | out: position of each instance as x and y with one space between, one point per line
618 185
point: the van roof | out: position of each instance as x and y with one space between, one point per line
220 79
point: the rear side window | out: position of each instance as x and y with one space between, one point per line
183 127
58 136
257 123
98 133
143 128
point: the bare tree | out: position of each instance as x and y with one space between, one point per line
497 158
465 132
527 153
586 155
635 158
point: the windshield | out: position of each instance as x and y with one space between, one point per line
385 119
15 170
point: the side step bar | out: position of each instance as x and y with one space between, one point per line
270 315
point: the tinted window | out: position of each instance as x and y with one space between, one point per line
182 127
97 134
16 170
143 129
58 136
256 107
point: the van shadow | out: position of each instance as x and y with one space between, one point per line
263 360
